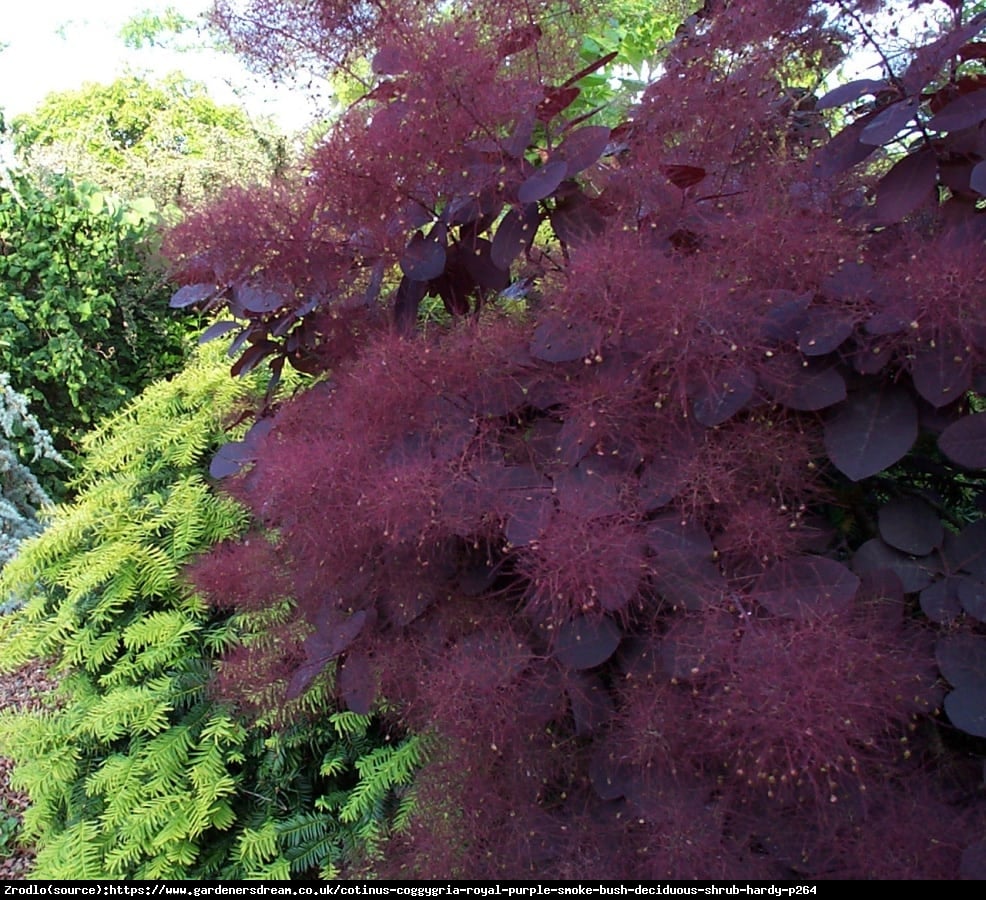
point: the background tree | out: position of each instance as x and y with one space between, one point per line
166 140
84 323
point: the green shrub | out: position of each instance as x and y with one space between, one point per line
136 770
83 320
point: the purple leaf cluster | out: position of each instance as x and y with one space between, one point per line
683 558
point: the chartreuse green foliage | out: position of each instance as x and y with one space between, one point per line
83 320
135 771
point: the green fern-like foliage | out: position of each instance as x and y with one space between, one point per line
135 771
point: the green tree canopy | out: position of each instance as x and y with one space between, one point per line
167 140
84 323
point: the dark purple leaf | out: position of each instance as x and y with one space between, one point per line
543 182
303 676
684 177
518 39
883 593
479 263
358 684
575 440
890 320
424 257
528 519
977 179
390 60
915 574
230 459
582 148
844 150
248 332
331 638
964 441
586 641
786 313
853 90
854 280
661 480
870 357
927 63
556 340
889 122
591 703
191 294
575 220
966 710
669 534
906 186
942 371
258 300
871 431
972 50
407 299
520 140
688 582
962 660
640 659
806 386
218 329
455 286
514 235
622 585
911 525
966 551
940 601
252 357
823 331
258 432
962 112
591 489
806 586
510 482
720 399
972 867
401 607
685 574
696 646
555 100
594 66
972 596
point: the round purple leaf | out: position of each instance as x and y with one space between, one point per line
871 431
585 642
806 586
964 442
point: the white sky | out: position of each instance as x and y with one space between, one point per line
57 45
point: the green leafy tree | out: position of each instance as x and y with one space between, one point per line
169 141
150 28
83 318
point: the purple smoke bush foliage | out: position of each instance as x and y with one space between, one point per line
682 554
